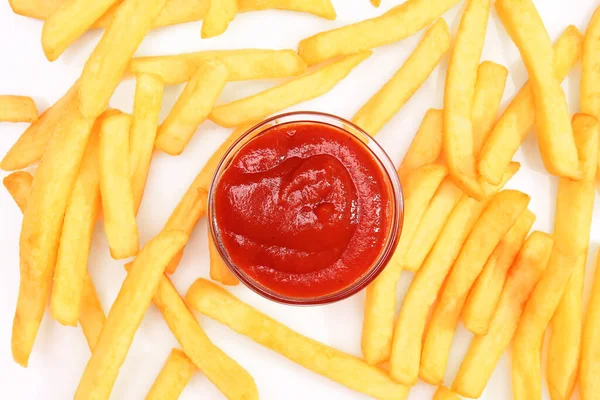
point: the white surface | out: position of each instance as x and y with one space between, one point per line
60 353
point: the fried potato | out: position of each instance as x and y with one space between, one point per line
220 14
489 88
485 350
17 109
218 269
376 3
18 185
173 377
380 108
519 117
443 393
215 302
246 64
321 8
126 315
192 107
399 23
485 293
298 90
107 63
553 127
426 146
144 126
589 369
589 99
380 302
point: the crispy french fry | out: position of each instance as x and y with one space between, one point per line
590 352
126 314
192 107
590 65
218 269
321 8
489 88
380 108
107 63
485 350
17 109
220 14
173 377
574 209
443 393
18 185
215 302
399 23
115 187
554 131
380 302
485 293
298 90
426 146
519 117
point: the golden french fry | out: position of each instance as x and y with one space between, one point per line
489 88
426 146
18 185
115 187
399 23
485 350
443 393
380 108
218 269
298 90
173 377
376 3
321 8
553 126
590 353
192 107
107 63
126 314
519 117
215 302
17 109
380 302
590 65
220 14
574 209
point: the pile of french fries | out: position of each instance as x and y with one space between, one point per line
466 239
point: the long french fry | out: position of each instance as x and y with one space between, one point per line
590 346
485 350
173 377
126 314
217 303
380 108
17 109
380 302
426 146
18 185
443 393
489 88
218 269
399 23
298 90
220 14
321 8
590 65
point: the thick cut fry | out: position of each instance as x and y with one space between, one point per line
489 88
217 303
126 314
485 350
69 22
553 127
458 97
590 345
218 269
296 91
220 14
173 377
485 294
18 185
590 71
107 63
443 393
192 107
17 109
399 89
399 23
115 187
321 8
519 117
380 302
426 146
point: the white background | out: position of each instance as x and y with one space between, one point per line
60 353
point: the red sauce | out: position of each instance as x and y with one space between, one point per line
303 209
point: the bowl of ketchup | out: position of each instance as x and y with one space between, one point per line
305 208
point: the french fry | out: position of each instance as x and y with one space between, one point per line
173 377
553 127
485 293
380 302
590 65
443 393
399 23
144 126
519 117
321 8
17 109
485 350
399 89
298 90
215 302
107 63
574 209
458 97
489 88
220 14
246 64
497 218
192 107
590 353
115 187
218 269
426 146
376 3
18 185
126 314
